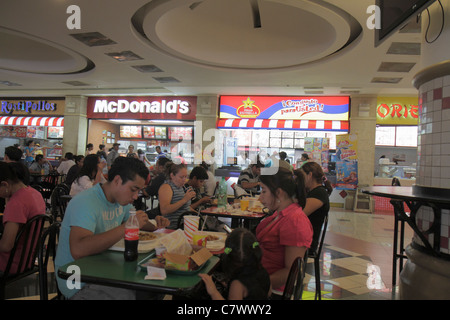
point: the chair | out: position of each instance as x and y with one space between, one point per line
57 202
294 282
30 233
47 249
315 254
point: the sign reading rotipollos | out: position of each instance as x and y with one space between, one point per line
27 107
164 108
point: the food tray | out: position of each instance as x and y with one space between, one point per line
142 264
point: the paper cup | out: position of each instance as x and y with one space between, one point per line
199 239
190 226
244 204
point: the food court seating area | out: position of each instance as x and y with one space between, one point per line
355 262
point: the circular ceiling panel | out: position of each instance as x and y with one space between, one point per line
244 34
28 54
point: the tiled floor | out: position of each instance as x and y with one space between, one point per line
356 245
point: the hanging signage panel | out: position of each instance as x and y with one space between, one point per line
284 107
160 108
25 107
397 111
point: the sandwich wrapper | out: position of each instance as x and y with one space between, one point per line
179 255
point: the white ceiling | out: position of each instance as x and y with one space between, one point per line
207 46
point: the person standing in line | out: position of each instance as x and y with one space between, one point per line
101 151
29 152
112 155
89 149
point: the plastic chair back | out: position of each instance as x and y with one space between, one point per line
21 262
318 250
294 282
47 249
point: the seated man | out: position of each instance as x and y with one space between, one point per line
38 168
196 181
249 178
95 220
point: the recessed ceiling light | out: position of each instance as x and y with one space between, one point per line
124 56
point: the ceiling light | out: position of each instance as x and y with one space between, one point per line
124 56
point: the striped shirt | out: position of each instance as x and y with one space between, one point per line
178 194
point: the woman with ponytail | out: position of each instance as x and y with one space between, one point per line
317 199
287 233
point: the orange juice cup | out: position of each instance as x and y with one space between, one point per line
244 204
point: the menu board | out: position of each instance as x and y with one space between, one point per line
36 132
155 132
13 131
260 138
130 131
55 132
180 133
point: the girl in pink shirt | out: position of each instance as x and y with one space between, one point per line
287 233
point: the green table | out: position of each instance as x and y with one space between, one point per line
110 269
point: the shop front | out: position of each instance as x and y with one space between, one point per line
144 123
40 120
266 125
395 143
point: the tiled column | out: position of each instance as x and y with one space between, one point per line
427 276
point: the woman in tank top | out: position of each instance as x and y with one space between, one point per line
173 199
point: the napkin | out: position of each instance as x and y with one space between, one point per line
154 273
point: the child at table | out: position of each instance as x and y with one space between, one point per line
241 261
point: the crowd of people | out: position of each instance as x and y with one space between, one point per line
104 188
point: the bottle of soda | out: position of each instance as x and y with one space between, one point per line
222 194
131 237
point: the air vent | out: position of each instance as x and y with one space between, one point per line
147 68
313 92
349 92
124 56
396 66
313 88
386 80
93 39
75 83
406 48
166 79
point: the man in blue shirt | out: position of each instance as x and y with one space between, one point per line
95 220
